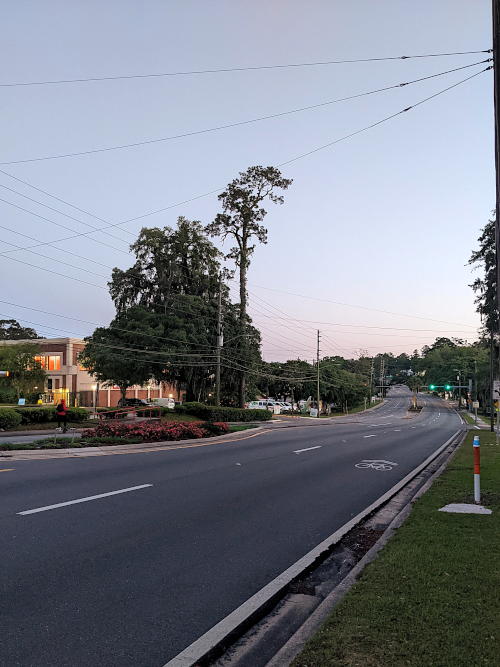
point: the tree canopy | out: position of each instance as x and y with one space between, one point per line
12 330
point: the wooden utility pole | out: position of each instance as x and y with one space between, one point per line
219 344
317 365
496 101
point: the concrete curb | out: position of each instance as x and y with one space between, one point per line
244 616
296 643
40 454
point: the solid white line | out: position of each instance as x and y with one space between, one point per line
370 436
84 500
297 451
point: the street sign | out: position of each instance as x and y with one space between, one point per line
475 404
496 389
313 412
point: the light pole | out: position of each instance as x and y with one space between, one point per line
94 387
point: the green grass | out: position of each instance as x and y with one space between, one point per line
358 408
431 598
468 418
47 426
241 427
65 443
174 417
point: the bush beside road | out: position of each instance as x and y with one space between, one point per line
431 597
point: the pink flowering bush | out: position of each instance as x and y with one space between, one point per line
157 431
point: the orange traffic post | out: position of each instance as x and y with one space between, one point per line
477 488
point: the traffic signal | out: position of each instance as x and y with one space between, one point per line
432 386
448 386
4 374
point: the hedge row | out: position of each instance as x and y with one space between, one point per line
212 414
157 432
11 417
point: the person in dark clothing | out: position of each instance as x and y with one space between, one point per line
61 414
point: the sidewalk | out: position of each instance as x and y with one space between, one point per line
431 597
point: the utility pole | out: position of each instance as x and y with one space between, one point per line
317 365
382 376
496 101
371 379
219 344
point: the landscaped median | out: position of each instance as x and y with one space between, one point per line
111 433
431 597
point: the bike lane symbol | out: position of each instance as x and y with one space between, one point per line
376 464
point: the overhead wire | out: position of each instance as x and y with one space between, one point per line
237 69
244 122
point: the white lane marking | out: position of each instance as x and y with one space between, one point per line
370 436
376 464
397 429
84 500
297 451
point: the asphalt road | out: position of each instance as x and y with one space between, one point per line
131 579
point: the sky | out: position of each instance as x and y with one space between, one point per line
372 242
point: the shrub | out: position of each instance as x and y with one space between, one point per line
214 414
156 432
9 418
43 415
77 415
36 415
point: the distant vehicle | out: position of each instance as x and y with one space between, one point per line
164 402
285 406
263 404
134 403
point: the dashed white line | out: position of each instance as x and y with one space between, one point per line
297 451
370 436
84 500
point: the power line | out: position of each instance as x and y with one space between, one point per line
58 224
65 214
369 127
283 163
244 122
237 69
350 305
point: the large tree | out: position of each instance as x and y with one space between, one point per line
485 286
25 370
12 330
242 213
166 321
168 262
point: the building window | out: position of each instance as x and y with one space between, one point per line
54 363
40 361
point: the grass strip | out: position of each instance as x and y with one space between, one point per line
467 417
431 598
241 427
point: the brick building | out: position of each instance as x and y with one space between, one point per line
67 379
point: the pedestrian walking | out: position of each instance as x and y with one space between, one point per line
61 414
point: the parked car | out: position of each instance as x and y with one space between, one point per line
285 406
164 402
263 404
134 403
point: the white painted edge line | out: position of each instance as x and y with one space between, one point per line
207 642
84 500
297 451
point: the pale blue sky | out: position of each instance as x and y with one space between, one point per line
384 220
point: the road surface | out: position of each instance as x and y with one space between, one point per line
132 578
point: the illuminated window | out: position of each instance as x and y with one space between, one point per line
54 364
40 361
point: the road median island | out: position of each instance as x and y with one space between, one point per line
431 596
62 448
